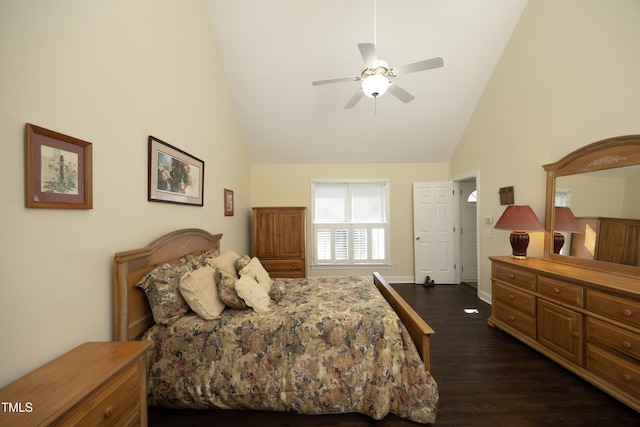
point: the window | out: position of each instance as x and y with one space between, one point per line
350 223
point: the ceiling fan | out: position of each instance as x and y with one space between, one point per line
376 76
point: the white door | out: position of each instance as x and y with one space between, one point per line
468 233
433 231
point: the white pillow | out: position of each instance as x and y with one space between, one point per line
255 294
199 289
256 270
226 261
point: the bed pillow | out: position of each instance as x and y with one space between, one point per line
254 293
202 259
256 270
227 290
162 287
226 261
199 289
242 262
277 290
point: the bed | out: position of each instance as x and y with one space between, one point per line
325 345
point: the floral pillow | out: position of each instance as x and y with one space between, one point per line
162 287
277 290
227 290
202 259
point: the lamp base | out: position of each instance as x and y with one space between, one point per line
558 242
519 243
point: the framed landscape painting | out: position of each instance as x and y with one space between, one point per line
58 172
174 175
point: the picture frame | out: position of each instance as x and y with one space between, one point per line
175 176
228 202
58 170
506 196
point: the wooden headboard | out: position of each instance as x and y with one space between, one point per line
131 311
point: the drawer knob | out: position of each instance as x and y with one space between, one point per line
575 335
511 276
556 290
626 344
626 312
511 297
108 411
512 318
626 377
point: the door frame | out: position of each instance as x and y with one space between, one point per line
457 218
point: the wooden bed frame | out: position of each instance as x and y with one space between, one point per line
132 314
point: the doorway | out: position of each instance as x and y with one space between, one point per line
468 231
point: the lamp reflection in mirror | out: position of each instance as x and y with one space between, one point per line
519 219
566 222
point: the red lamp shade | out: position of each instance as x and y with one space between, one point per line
519 219
564 221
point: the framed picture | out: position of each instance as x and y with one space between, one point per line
58 172
174 176
228 202
506 195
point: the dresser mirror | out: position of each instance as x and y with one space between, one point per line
600 183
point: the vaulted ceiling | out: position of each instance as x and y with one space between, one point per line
272 51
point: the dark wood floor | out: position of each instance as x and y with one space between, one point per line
485 378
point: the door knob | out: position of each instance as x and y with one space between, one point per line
417 237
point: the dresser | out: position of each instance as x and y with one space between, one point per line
586 320
96 383
279 240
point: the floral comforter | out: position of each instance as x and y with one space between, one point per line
330 345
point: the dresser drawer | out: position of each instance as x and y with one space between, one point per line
515 319
561 291
514 298
614 338
116 401
614 369
274 266
514 276
614 307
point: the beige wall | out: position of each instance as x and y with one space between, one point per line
290 185
111 73
567 78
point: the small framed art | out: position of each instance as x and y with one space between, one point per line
506 195
58 172
174 175
228 202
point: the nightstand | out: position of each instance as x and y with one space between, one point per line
95 383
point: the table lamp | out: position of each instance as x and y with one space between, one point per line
519 219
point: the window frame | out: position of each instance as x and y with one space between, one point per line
350 261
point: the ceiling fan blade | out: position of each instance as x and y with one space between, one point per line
354 99
339 80
400 93
368 52
427 64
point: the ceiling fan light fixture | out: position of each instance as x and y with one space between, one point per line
375 85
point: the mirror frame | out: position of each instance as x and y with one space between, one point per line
608 153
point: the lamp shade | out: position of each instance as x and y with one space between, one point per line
375 85
519 218
566 221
